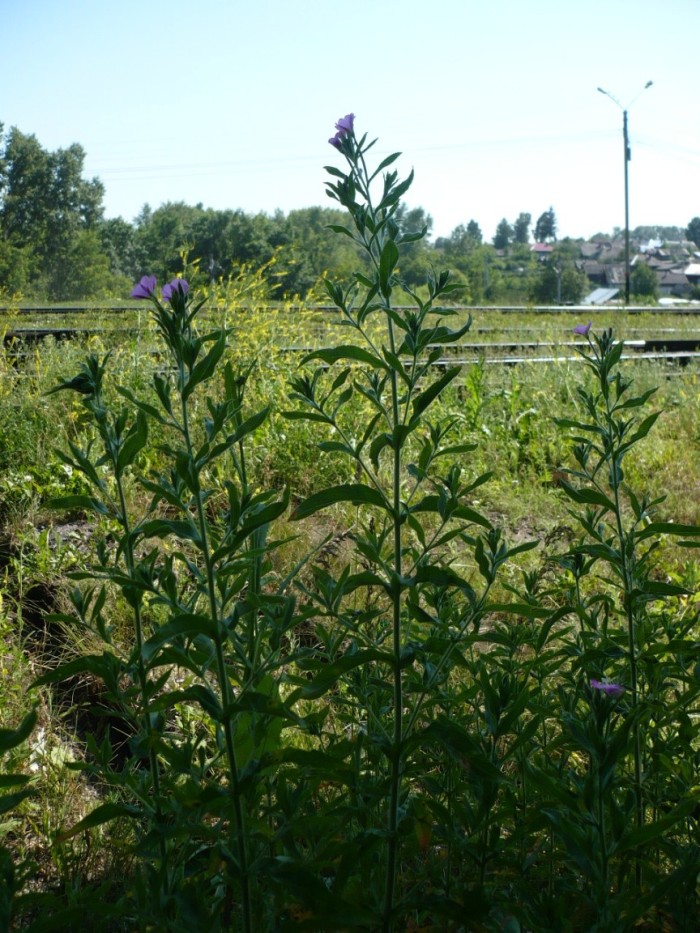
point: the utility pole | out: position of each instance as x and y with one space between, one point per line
627 157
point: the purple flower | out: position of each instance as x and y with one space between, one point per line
344 126
610 690
145 288
583 329
172 288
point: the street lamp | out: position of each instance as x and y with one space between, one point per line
627 156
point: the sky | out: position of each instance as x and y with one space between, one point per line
230 103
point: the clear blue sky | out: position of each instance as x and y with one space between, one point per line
494 104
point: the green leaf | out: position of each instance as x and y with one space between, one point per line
377 446
134 442
644 428
387 264
355 493
12 801
86 503
102 814
187 625
527 610
659 588
11 738
346 352
331 673
667 528
306 416
587 496
162 527
205 368
197 693
102 666
460 449
385 163
339 228
422 401
651 831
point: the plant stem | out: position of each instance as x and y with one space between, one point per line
222 673
140 666
628 578
397 740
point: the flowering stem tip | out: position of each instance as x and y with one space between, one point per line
145 288
172 288
610 690
343 128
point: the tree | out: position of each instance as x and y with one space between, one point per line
118 243
521 228
474 232
643 281
461 241
504 235
693 231
311 250
46 208
162 235
560 280
546 227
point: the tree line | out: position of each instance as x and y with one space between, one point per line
57 245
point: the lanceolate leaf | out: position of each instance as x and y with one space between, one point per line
422 401
346 352
587 496
205 367
387 264
87 503
11 738
667 528
355 493
102 814
331 672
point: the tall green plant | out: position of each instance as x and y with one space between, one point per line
621 638
398 651
203 637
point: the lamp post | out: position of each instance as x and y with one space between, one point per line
627 157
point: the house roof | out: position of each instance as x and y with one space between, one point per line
672 278
693 269
615 274
600 295
592 267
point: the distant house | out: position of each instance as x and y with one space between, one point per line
595 271
674 283
600 296
661 265
692 273
612 250
542 250
590 251
615 274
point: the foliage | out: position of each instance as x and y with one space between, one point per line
521 229
546 227
644 282
49 215
692 231
559 279
503 235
